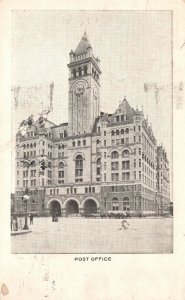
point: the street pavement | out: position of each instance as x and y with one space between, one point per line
80 235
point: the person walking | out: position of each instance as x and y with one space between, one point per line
11 223
124 225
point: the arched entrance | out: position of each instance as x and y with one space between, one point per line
90 207
55 208
72 207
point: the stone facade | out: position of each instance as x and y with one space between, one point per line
97 162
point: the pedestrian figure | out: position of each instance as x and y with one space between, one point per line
11 223
31 219
124 225
16 224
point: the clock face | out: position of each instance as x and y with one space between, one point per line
79 90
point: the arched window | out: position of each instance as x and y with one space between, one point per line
73 143
84 142
31 145
79 143
98 169
49 165
33 163
112 132
97 142
125 153
27 145
122 131
79 168
127 130
61 165
114 154
61 172
117 132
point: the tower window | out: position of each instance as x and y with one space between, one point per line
74 73
85 70
80 71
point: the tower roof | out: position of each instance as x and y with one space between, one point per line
83 45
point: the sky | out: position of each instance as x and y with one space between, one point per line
135 50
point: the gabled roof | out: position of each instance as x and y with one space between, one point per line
83 45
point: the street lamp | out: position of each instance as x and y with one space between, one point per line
26 198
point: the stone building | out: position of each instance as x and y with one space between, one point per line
163 180
97 162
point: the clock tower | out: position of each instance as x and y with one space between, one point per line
84 88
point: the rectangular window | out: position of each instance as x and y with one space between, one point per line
125 165
74 190
42 151
115 176
122 141
126 176
105 154
17 182
78 172
104 133
134 128
135 175
117 142
117 118
139 151
134 163
105 143
114 165
93 189
113 142
139 162
127 140
105 177
61 174
134 139
139 128
86 190
134 151
89 189
61 135
105 165
139 174
51 192
139 139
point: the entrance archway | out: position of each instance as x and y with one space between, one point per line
55 208
72 207
90 207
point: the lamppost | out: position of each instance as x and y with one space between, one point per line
26 198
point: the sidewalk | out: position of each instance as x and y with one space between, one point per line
20 232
